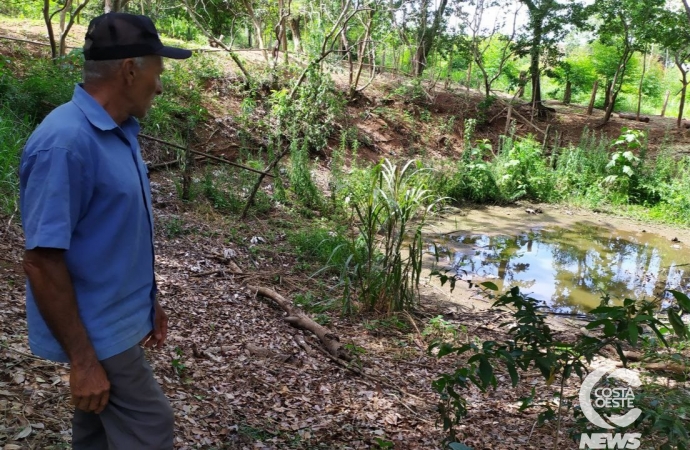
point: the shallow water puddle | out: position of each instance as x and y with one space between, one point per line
567 268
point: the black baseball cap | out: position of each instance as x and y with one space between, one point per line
121 35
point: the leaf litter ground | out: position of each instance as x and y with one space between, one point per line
239 377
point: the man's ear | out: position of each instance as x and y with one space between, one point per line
128 70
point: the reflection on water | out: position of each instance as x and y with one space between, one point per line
570 268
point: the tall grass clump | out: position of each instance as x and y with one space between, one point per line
13 133
24 101
580 169
34 87
383 267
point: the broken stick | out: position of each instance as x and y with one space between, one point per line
299 319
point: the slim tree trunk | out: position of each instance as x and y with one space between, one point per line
360 56
257 28
63 14
283 28
683 92
468 81
663 110
617 83
426 35
51 35
535 72
593 99
449 67
568 95
607 95
296 34
639 90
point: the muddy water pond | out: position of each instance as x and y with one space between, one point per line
568 264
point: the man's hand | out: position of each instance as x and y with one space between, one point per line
156 338
89 385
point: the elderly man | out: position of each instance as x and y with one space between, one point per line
86 213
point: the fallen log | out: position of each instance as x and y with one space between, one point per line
644 119
299 319
672 367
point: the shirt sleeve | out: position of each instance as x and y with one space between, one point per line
52 189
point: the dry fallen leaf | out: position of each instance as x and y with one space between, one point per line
24 433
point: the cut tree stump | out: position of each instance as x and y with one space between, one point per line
644 119
299 319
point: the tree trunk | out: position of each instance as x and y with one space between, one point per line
360 55
639 90
617 83
593 98
426 36
522 82
535 52
257 28
296 34
449 67
663 110
468 82
114 5
687 8
683 92
567 97
607 94
283 28
63 14
635 117
51 35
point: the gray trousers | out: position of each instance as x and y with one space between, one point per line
138 415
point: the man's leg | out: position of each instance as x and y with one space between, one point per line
87 431
138 415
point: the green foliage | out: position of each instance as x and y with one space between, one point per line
531 344
226 189
383 267
41 88
301 180
522 172
623 166
312 304
13 132
180 107
469 179
441 329
306 121
177 362
325 245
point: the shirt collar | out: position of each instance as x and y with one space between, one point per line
99 117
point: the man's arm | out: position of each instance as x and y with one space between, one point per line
52 288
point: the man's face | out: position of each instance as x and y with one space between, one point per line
145 85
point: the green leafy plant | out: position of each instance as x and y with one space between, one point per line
439 328
177 362
380 272
624 165
531 344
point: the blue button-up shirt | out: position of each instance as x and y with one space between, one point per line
84 188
